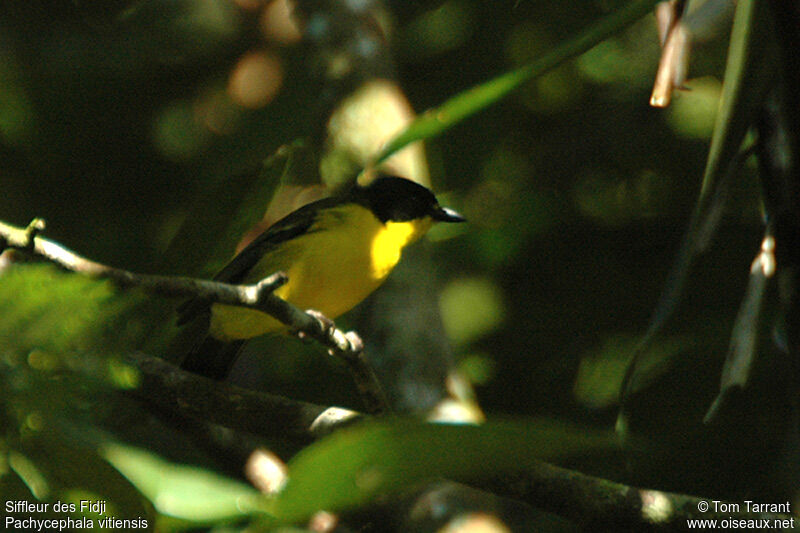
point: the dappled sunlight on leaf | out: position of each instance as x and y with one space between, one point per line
355 466
29 474
57 312
693 112
182 491
471 308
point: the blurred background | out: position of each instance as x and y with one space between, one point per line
152 135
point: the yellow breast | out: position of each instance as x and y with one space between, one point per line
346 254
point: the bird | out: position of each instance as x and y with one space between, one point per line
335 252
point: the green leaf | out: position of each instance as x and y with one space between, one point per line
749 74
354 466
435 121
48 458
185 492
58 312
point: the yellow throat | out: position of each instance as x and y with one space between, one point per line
344 256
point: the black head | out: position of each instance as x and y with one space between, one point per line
400 200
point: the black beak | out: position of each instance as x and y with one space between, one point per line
445 214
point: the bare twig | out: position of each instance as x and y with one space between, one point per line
678 30
259 296
27 240
675 41
667 15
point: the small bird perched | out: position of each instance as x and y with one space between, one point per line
335 252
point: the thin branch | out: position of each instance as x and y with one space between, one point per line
346 345
602 504
28 240
668 13
677 31
264 415
675 40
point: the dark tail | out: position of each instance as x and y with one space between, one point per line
212 358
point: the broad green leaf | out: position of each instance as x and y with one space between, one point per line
354 466
47 458
181 491
435 121
58 312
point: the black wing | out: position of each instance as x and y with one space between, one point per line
292 225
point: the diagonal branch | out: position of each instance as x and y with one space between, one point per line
261 414
347 346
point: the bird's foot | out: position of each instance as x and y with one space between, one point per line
325 322
356 344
